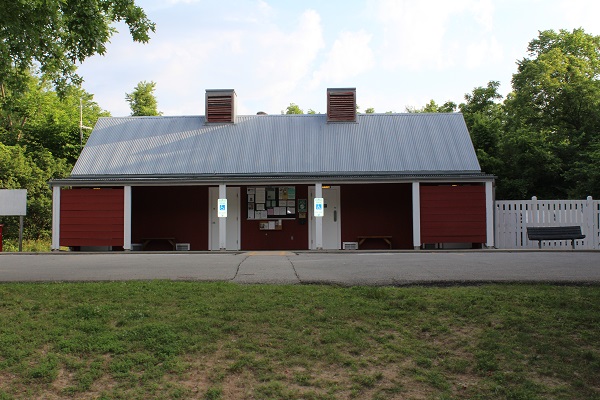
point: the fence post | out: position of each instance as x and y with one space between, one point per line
533 206
590 238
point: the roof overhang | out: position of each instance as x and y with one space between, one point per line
333 178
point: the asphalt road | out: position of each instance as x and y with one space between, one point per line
341 268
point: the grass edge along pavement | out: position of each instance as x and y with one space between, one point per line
164 339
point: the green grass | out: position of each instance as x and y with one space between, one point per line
29 245
170 340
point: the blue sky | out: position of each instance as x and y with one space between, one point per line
396 53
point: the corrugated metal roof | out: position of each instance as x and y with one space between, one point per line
278 144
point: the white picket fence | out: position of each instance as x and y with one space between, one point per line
513 217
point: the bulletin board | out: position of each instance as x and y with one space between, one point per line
277 202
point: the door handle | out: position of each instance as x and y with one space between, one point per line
334 215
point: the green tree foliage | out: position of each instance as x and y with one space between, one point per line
370 110
39 141
20 169
293 109
39 111
484 116
35 116
557 97
142 100
433 107
58 34
544 138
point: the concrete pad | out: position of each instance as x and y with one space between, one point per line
118 266
398 268
338 267
267 267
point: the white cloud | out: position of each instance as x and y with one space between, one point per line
350 56
417 34
483 52
282 60
580 13
258 56
413 32
483 11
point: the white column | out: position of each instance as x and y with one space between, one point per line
416 207
56 218
318 220
127 218
222 221
489 214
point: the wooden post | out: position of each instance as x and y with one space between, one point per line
416 208
318 220
20 233
489 217
589 224
56 218
222 220
127 219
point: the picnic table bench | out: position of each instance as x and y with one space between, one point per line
169 240
386 239
540 233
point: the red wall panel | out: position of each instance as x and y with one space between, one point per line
180 212
292 236
91 217
377 210
453 214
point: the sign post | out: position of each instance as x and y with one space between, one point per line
222 214
318 213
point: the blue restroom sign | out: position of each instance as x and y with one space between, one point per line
222 213
318 207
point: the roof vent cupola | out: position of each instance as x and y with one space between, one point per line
221 106
341 105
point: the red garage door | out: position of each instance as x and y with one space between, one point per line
91 217
453 214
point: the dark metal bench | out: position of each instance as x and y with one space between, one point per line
540 233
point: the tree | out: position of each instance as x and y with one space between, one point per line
557 97
39 141
56 35
293 109
370 110
35 116
484 116
20 169
142 100
433 107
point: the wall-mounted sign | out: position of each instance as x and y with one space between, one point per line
319 207
302 205
271 202
222 211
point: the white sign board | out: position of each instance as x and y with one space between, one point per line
13 202
222 212
318 206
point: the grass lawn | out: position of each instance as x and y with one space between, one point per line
163 339
28 245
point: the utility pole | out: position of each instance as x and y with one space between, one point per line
81 126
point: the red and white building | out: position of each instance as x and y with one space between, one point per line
399 181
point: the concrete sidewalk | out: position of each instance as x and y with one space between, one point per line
286 267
